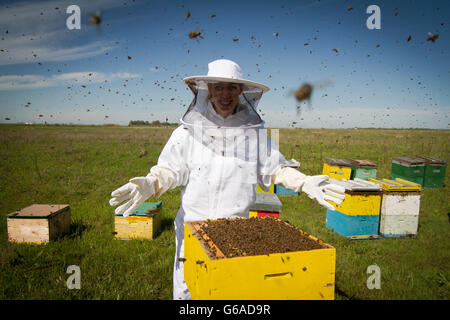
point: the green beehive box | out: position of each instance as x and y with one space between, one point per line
408 168
363 169
435 170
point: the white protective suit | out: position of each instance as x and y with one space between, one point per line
217 162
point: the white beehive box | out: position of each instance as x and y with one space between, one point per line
400 208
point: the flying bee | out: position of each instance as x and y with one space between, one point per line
305 91
432 37
95 18
195 34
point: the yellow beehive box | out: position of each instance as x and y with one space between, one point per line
337 168
362 198
38 223
297 275
143 223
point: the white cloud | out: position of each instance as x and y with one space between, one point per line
28 81
37 28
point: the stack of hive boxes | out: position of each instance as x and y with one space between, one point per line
434 174
400 208
349 169
337 168
408 168
266 204
357 217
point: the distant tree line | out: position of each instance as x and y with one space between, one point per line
155 123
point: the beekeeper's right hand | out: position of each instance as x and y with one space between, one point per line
134 193
139 189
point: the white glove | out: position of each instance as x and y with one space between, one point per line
318 188
134 193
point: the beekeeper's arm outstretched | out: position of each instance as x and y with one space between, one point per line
316 187
139 189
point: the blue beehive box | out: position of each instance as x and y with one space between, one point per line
358 216
279 189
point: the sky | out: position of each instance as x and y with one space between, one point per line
131 65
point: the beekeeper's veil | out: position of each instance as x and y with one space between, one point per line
201 115
201 112
240 135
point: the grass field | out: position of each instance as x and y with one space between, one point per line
81 165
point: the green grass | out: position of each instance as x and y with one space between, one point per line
81 165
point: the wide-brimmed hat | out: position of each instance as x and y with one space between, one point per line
224 70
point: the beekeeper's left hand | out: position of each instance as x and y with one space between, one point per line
318 188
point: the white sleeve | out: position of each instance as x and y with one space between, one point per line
171 169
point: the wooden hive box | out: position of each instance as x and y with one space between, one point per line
266 204
143 223
282 191
408 168
363 169
297 275
337 168
38 223
357 217
400 208
434 174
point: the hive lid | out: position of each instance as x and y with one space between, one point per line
356 185
146 209
397 185
39 211
409 161
266 202
433 160
364 164
339 162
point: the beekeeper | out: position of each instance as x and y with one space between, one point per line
217 155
